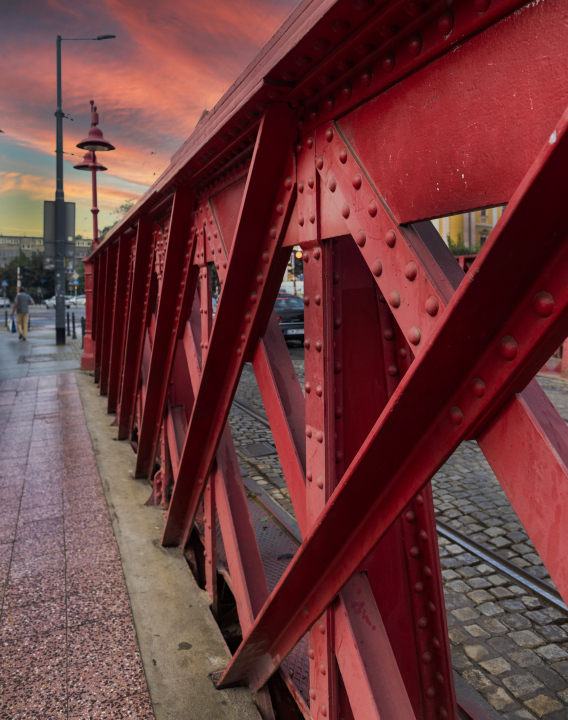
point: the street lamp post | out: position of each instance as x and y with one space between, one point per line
60 224
94 142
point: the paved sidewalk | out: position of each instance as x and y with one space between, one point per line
68 645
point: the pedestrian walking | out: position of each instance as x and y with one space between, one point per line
22 308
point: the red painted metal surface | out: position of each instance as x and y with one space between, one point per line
355 124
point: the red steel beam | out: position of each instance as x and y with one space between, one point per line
176 282
100 276
502 350
135 329
263 217
119 321
110 289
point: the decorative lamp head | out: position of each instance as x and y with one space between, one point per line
95 141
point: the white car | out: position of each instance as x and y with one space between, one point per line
5 302
50 302
79 301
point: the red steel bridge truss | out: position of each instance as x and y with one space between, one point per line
357 123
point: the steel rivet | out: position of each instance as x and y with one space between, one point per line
346 210
311 655
338 412
372 208
427 658
330 103
309 476
420 499
446 23
415 46
307 343
332 184
319 436
319 345
306 300
248 317
410 516
366 78
308 431
478 387
394 299
346 91
414 335
323 710
543 304
439 678
343 155
310 142
388 62
414 551
393 370
432 306
339 457
239 351
443 713
280 208
317 253
319 391
336 278
300 219
436 643
305 611
329 134
402 352
319 162
389 334
361 238
288 183
260 278
390 238
419 588
321 627
312 218
305 257
266 256
508 347
431 607
423 623
377 268
337 367
357 181
322 668
310 182
427 571
253 297
301 186
312 693
456 415
317 299
430 693
243 337
423 535
411 271
307 386
337 323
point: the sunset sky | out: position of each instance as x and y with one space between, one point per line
169 62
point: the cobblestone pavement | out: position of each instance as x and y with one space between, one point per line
67 642
506 643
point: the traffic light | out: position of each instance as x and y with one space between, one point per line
298 268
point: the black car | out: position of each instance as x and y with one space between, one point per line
290 312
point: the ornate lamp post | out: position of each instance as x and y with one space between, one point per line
60 228
94 142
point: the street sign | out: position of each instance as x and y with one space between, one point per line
4 283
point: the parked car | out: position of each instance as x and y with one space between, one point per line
5 302
78 301
289 310
50 302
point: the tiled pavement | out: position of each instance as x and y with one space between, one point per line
67 643
505 642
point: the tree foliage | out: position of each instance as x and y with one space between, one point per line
458 247
39 283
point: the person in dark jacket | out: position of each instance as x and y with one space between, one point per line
22 308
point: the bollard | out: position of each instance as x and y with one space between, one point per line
83 323
74 336
68 326
6 318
